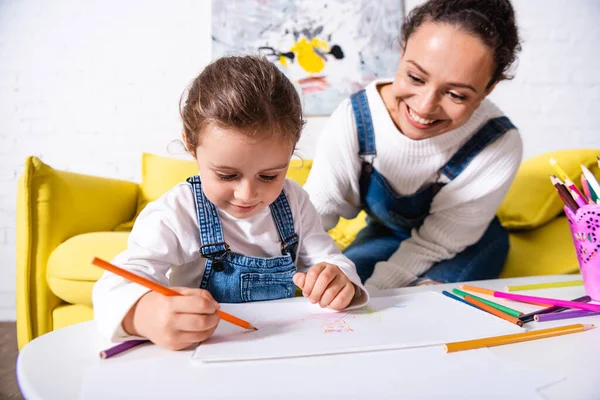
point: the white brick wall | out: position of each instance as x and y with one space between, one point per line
87 86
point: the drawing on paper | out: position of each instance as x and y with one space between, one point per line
329 49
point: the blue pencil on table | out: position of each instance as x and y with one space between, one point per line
121 347
448 294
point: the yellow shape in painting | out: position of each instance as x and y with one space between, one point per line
283 61
308 58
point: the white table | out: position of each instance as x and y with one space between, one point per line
63 363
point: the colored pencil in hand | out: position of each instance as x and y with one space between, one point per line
554 309
516 337
121 347
165 291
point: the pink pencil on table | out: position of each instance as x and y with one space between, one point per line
534 299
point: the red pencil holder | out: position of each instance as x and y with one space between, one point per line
585 231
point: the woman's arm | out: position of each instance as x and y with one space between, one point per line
333 181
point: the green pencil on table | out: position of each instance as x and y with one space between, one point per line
516 288
504 309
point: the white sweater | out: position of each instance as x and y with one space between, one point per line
460 212
164 246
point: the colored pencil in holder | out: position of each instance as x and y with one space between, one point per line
570 186
564 315
504 309
554 309
586 188
494 311
592 183
564 193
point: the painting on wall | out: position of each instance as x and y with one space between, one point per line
329 49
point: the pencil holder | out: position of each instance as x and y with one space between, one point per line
585 231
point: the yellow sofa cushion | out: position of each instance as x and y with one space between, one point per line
70 273
532 200
547 250
69 314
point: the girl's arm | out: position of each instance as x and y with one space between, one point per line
154 246
333 181
316 246
460 213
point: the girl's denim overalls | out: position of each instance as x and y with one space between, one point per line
236 278
391 217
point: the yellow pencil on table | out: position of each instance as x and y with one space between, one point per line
165 291
516 288
515 338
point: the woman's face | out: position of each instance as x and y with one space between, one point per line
441 80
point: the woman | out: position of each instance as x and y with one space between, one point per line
426 155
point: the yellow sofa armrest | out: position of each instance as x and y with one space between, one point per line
53 206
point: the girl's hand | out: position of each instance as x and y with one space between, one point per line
327 285
174 322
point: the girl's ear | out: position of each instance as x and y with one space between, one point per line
188 146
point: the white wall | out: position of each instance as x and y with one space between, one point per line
88 85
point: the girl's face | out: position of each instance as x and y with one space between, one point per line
440 81
241 175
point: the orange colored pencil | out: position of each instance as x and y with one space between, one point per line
516 337
489 292
494 311
165 291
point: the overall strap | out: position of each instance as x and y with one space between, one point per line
284 221
211 231
488 133
364 124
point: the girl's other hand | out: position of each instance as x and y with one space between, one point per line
174 322
327 285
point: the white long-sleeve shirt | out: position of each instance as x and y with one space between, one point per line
460 212
164 246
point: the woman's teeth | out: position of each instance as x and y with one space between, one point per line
419 119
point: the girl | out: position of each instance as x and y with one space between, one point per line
425 154
238 230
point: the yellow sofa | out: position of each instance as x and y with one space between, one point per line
64 219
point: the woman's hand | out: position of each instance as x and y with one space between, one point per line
174 322
327 285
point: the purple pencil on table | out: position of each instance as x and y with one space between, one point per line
121 347
564 315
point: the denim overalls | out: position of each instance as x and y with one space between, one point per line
236 278
391 217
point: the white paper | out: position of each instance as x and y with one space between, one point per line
298 328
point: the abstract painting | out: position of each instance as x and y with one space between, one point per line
329 49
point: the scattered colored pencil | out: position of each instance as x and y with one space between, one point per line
493 311
534 299
516 288
516 337
530 317
497 306
448 294
121 347
565 315
165 291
